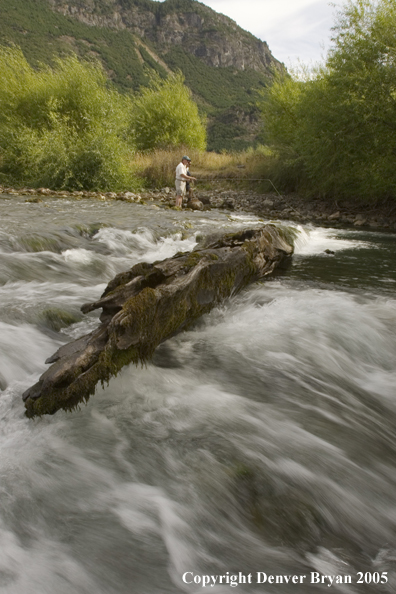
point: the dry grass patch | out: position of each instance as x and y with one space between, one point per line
157 168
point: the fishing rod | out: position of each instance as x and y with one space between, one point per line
242 179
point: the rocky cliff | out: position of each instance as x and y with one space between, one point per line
213 38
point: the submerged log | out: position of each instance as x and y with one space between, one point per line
150 303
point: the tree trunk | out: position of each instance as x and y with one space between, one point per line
150 303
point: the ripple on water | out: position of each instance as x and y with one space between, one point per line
262 439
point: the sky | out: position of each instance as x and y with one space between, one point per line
295 30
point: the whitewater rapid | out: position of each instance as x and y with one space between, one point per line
261 440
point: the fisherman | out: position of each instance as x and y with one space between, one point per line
181 179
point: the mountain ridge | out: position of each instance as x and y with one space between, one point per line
203 31
223 65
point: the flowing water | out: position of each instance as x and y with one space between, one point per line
259 443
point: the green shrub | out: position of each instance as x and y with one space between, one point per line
334 133
164 115
62 127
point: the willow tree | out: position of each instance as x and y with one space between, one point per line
62 126
165 115
345 117
280 106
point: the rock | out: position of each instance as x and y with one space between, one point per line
149 303
57 318
127 196
228 203
195 204
268 203
205 200
334 216
34 200
360 222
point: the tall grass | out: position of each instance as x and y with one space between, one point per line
157 168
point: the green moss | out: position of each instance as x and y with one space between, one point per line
68 398
241 470
56 318
289 234
40 243
244 481
251 249
193 259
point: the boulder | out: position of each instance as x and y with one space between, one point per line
195 204
334 216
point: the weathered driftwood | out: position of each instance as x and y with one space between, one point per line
148 304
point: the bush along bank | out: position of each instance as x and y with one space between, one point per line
332 126
267 205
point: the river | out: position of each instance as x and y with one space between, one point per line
259 446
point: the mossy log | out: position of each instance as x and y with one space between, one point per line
150 303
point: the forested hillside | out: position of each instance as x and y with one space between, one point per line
223 65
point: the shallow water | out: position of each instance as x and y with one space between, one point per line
262 440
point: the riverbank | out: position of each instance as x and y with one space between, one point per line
268 205
296 208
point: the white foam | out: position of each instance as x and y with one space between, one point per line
78 256
23 350
142 244
313 241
